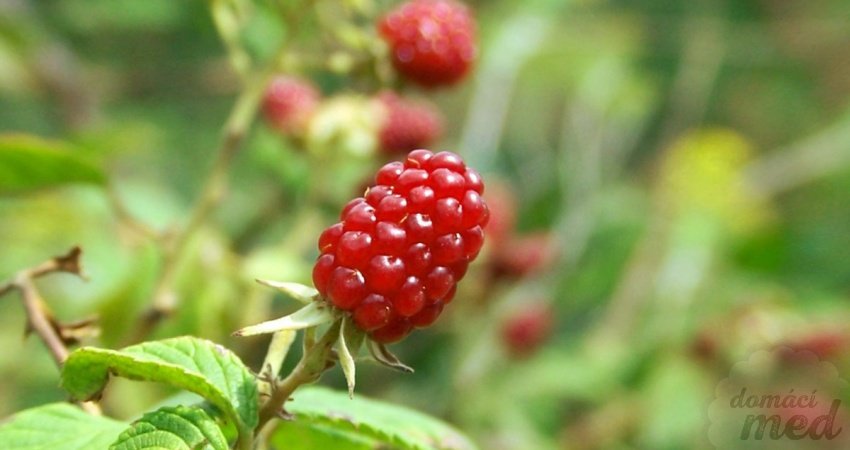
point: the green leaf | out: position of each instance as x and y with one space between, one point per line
298 435
176 428
58 426
189 363
359 421
28 163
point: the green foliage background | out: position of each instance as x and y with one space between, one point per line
690 159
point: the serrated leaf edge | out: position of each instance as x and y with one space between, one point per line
217 441
195 379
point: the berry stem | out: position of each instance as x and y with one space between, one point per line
235 129
314 361
212 192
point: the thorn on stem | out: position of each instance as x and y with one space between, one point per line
70 262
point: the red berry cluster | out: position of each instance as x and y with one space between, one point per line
408 125
394 259
432 41
525 331
514 255
288 104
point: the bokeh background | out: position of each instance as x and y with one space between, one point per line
669 182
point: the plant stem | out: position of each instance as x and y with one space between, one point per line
215 186
39 317
38 321
126 218
315 360
236 128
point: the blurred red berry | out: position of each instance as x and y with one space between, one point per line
524 255
432 42
705 346
288 104
525 331
408 125
826 344
822 412
502 204
394 264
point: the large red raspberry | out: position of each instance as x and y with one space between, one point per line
288 104
395 258
408 124
432 41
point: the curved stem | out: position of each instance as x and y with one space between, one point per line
315 360
215 186
39 317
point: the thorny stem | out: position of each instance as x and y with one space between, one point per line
38 321
314 361
39 317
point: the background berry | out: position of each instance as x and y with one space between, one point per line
288 104
527 329
408 125
502 203
524 255
394 268
432 42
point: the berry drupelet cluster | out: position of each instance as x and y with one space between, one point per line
288 103
408 124
395 258
525 331
432 42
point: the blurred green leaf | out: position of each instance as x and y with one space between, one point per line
58 426
323 415
193 364
178 427
676 398
297 435
28 163
104 15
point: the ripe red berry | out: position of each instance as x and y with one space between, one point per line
395 269
432 42
525 331
408 125
825 343
374 312
502 204
288 104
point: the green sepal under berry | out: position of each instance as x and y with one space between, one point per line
348 345
300 292
313 314
383 355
